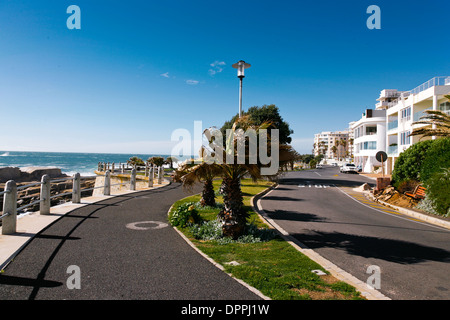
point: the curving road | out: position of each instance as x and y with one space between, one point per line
319 208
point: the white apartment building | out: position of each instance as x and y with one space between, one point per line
387 128
369 137
324 142
402 112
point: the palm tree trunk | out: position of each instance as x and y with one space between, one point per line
208 196
233 215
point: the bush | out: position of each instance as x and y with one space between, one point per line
212 230
438 191
437 158
410 162
184 215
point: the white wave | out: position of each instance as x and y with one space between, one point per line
6 154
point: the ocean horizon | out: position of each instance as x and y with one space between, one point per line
69 162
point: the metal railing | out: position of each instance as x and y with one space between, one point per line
11 190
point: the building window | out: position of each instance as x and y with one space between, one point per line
371 130
405 138
406 114
368 145
445 107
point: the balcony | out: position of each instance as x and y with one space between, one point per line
392 150
419 114
393 125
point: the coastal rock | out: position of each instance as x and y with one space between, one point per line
28 174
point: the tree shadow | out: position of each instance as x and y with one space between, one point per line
278 198
397 251
294 216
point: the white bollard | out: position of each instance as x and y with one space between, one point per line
160 174
44 205
107 185
9 222
150 177
76 188
133 179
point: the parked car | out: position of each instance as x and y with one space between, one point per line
348 167
319 166
359 168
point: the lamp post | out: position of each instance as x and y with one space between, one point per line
240 66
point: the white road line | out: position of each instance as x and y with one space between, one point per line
317 173
390 214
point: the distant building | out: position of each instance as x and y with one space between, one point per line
324 142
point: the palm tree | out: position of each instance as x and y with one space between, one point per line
157 161
170 160
192 171
135 161
334 149
439 121
233 215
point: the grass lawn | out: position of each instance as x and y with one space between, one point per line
273 267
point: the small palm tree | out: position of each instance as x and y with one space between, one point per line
192 171
157 161
135 161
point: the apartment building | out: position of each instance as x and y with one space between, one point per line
369 137
403 111
388 126
325 142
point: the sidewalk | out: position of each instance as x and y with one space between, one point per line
124 249
30 224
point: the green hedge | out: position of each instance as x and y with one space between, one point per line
429 163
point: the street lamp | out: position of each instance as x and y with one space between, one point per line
240 66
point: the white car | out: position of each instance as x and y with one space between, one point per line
348 167
318 166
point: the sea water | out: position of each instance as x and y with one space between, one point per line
69 163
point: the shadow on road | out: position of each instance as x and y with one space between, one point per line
371 247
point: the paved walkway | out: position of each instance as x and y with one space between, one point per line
122 248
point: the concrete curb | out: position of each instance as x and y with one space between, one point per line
412 213
366 291
214 263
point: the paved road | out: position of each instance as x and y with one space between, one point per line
414 257
116 262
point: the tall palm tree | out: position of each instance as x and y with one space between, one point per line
224 159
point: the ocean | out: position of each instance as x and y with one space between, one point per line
69 163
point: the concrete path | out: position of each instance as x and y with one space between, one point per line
117 248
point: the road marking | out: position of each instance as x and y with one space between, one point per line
390 213
317 173
159 225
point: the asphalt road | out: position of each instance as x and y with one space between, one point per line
319 208
117 258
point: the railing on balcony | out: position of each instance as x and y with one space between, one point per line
436 81
392 150
392 125
419 114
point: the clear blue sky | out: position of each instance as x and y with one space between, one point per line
138 70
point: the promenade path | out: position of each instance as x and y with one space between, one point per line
117 257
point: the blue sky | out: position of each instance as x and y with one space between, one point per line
138 70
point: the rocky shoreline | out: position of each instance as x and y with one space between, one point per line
25 176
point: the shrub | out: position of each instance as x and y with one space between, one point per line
438 190
437 159
409 164
212 230
184 215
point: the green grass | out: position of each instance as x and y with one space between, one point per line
273 267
